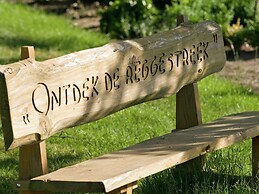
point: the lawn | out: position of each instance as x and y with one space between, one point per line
226 171
50 35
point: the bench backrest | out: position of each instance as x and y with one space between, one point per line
39 99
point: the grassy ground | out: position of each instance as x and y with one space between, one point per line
226 171
51 36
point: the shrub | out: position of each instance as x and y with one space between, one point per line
248 34
128 18
138 18
200 10
243 10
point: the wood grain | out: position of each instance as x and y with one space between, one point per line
123 167
45 97
32 158
188 111
32 163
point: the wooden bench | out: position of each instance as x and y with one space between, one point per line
39 99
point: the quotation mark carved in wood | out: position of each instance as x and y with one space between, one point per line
26 119
215 38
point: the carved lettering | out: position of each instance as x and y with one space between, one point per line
145 70
116 78
55 97
111 82
85 90
26 119
215 38
137 73
46 99
153 67
76 93
185 57
108 82
199 52
205 45
39 92
170 58
162 64
94 83
192 55
129 75
178 53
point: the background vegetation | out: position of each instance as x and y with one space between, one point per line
226 171
138 18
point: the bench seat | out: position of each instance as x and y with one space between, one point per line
112 171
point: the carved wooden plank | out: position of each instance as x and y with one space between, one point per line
123 167
45 97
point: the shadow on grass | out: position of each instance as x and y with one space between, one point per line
180 180
9 168
6 186
63 160
8 60
17 42
9 172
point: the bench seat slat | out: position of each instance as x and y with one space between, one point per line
111 171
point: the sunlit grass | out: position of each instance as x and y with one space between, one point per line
49 34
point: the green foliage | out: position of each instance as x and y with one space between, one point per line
128 18
244 10
248 34
200 10
244 24
138 18
131 18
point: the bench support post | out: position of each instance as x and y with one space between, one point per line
188 111
188 114
255 157
127 189
32 158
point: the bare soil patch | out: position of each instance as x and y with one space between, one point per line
243 68
245 72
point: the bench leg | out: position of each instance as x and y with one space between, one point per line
33 162
188 114
33 158
127 189
255 157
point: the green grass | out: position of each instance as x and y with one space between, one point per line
226 171
50 35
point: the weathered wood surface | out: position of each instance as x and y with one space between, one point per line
32 158
120 168
45 97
